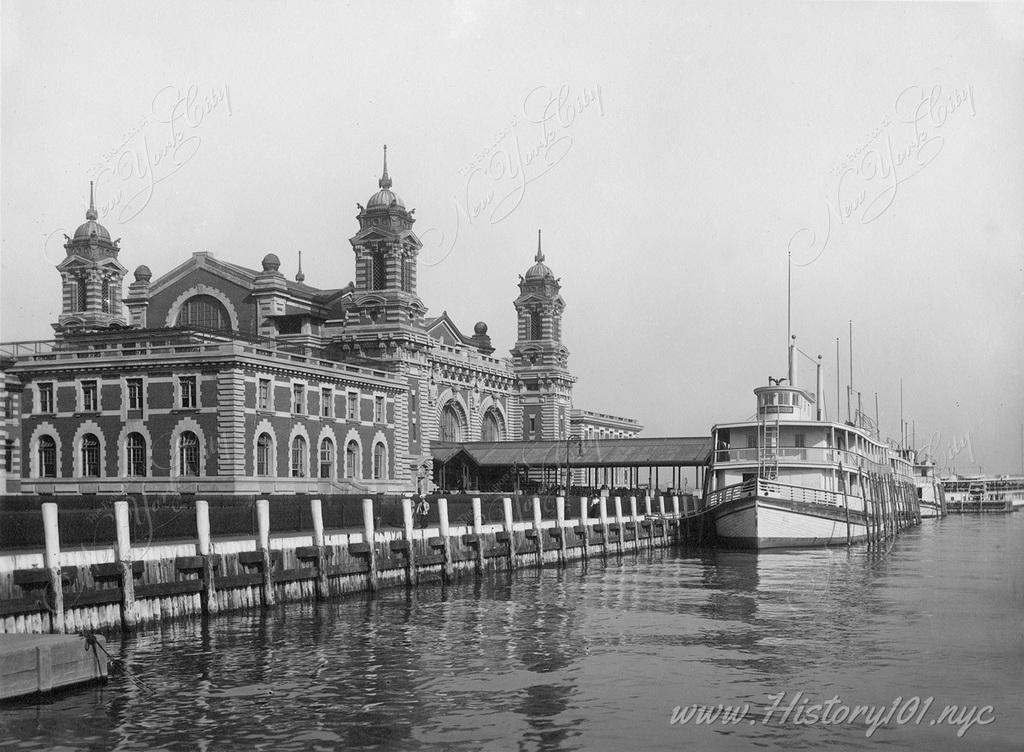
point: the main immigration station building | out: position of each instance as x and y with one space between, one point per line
218 378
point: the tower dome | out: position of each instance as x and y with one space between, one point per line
385 196
91 228
539 270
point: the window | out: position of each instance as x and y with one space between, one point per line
188 391
8 455
134 394
413 404
188 454
264 455
408 269
378 409
298 457
47 457
451 424
326 402
352 460
264 394
135 454
90 456
380 271
90 397
46 398
380 461
533 424
796 400
326 458
415 435
536 329
353 406
105 296
204 312
298 398
78 292
798 440
491 429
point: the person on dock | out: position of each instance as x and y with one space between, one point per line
422 510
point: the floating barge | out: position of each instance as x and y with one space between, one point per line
974 495
33 663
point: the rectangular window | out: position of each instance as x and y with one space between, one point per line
415 432
326 402
188 391
799 440
412 401
46 398
8 455
533 423
353 406
298 398
90 397
264 394
378 409
134 394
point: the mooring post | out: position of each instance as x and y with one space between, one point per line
445 530
209 595
635 519
263 528
124 558
619 522
602 509
407 531
584 527
51 538
507 504
478 531
537 531
647 517
661 514
560 522
323 585
369 537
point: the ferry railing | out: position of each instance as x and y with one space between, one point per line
758 487
810 455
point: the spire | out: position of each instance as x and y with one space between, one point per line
299 276
539 258
385 181
91 214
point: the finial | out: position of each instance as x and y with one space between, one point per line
299 276
385 181
540 254
91 214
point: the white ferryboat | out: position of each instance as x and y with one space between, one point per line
929 490
788 477
981 493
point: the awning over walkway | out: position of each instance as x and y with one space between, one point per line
589 453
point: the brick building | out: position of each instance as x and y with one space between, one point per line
217 378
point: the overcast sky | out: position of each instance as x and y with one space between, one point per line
672 154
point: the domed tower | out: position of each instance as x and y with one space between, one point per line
386 250
539 358
92 277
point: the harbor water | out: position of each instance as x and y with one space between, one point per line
635 652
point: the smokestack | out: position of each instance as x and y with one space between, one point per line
792 362
819 395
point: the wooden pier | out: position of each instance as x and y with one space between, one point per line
31 663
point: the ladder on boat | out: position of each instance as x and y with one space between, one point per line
768 448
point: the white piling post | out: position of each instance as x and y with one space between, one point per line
316 511
602 510
203 527
124 558
619 521
51 541
369 537
507 505
445 530
584 527
209 594
263 528
675 506
478 533
560 523
407 532
537 530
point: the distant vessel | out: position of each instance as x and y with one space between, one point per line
789 478
978 493
929 490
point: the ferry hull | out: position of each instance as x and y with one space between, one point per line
762 522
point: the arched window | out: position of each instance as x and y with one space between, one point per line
491 428
47 457
451 423
326 458
90 456
380 461
188 454
135 455
536 329
352 460
204 312
264 455
298 457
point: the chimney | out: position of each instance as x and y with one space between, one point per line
792 362
819 395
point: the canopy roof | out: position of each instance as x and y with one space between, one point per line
635 452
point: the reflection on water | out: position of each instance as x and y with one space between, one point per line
593 656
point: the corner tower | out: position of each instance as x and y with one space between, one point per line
91 277
539 358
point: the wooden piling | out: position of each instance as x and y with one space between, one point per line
369 537
560 522
619 522
445 531
602 510
411 576
538 531
322 584
51 537
208 598
478 531
129 611
263 528
584 528
507 505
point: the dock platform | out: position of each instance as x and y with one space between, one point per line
31 663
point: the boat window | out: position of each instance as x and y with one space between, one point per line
784 398
796 400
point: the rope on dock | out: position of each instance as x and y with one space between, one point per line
91 641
